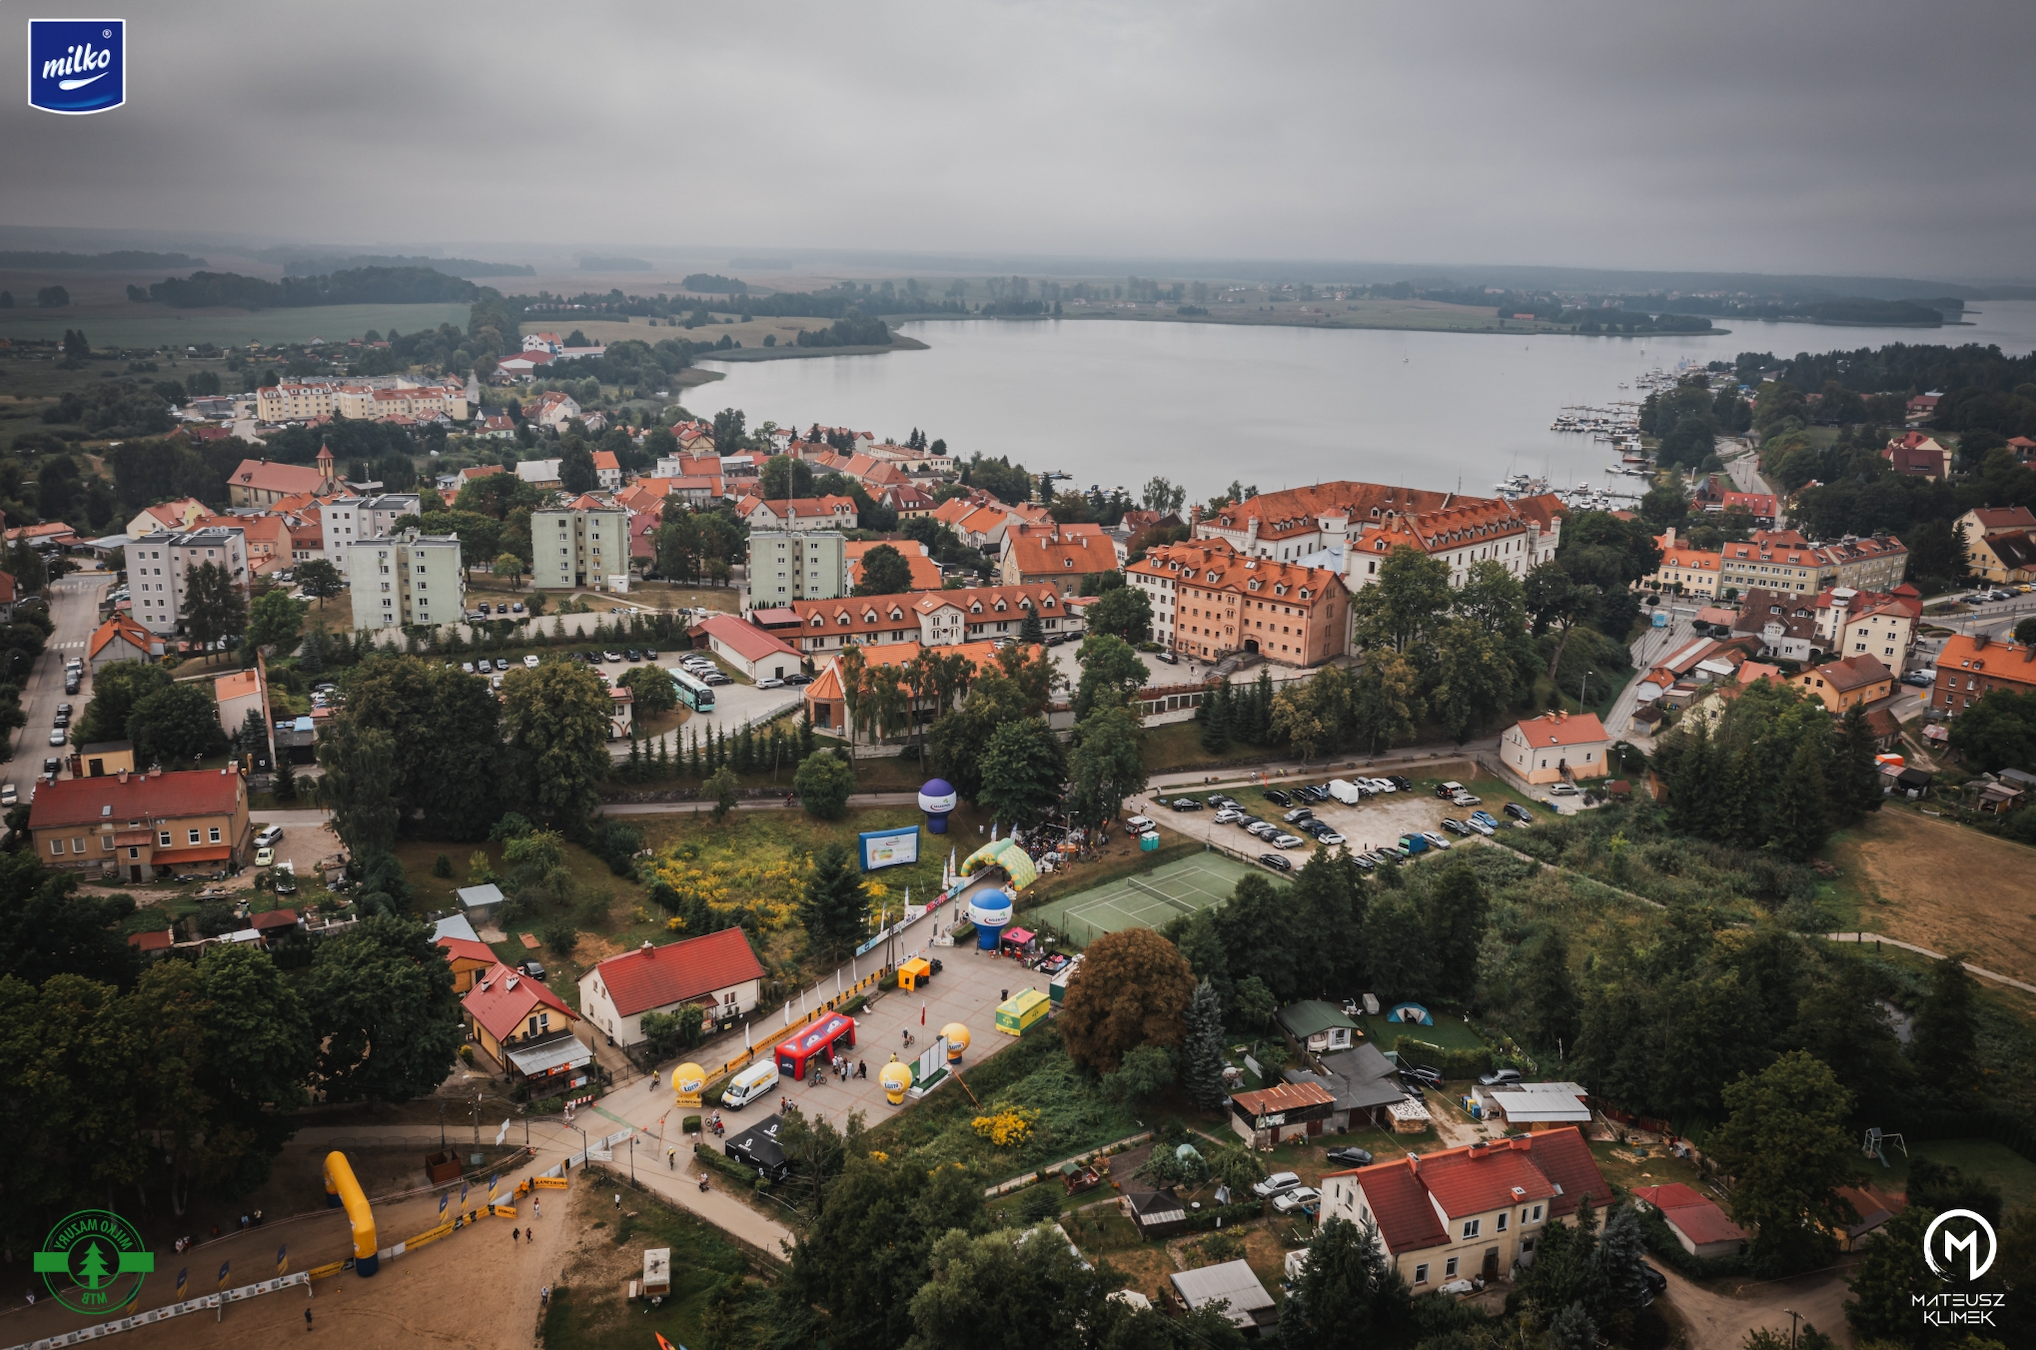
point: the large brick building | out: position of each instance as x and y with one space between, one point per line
1208 601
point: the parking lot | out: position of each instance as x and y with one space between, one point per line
1366 826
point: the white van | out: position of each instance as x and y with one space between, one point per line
758 1080
1345 792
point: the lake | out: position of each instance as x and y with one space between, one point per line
1202 404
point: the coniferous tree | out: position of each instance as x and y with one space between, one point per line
1855 789
698 770
1202 1051
835 908
1800 817
1261 708
1214 715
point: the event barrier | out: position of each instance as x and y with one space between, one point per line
154 1315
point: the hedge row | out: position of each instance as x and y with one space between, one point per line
1451 1064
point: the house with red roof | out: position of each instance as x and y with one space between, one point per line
607 469
1286 1111
257 482
1918 455
717 973
505 1009
142 825
469 959
1556 746
1697 1222
759 654
1469 1211
120 638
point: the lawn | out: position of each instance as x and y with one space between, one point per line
1996 1164
1449 1032
155 326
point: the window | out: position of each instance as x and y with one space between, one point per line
56 847
163 839
106 843
1502 1221
1537 1214
1471 1227
1449 1268
1421 1273
215 834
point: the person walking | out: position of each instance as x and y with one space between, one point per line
307 1319
516 1235
672 1158
618 1202
538 1206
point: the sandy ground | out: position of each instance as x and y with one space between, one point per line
476 1287
1720 1321
1948 889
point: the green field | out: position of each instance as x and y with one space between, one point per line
152 326
1996 1164
1147 901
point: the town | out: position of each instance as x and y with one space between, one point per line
1351 910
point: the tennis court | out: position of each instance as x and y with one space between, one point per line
1147 901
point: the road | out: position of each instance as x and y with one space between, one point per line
1721 1321
1649 649
74 608
1744 468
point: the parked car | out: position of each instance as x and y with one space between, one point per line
285 880
484 666
56 736
1420 1073
1563 790
1350 1157
1467 799
650 654
1330 837
484 608
632 654
1286 841
1297 815
1656 1281
1279 862
467 667
1459 1287
1454 826
1185 804
1228 816
611 656
1277 1184
1278 798
1402 783
1263 829
1448 790
1434 840
772 683
269 837
1301 1197
1139 823
1481 827
1363 861
1167 657
1499 1076
516 607
1519 812
8 797
798 679
63 710
265 857
530 663
534 969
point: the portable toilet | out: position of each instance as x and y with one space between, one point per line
990 911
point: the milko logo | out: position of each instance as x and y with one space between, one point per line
1950 1234
77 65
94 1261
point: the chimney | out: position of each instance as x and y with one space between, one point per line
1979 642
1413 1164
645 948
1668 540
123 777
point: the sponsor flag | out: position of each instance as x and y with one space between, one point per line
183 1276
922 1012
224 1266
282 1258
502 1133
443 1201
463 1195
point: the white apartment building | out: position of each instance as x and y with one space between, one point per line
788 565
349 520
158 564
363 403
409 578
581 545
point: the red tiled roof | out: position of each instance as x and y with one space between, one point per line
121 626
1399 1204
254 473
466 949
749 641
1697 1217
1477 1181
501 1000
159 941
1284 1097
1568 729
169 796
656 977
275 918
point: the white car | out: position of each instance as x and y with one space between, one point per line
1480 826
1277 1184
770 684
1140 823
269 836
1379 784
530 663
1228 816
1467 799
1434 840
1563 790
1286 841
1458 1287
1301 1197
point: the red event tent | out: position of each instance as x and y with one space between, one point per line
815 1038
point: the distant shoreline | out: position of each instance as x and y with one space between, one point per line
1488 325
790 352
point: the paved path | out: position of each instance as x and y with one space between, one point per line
1972 969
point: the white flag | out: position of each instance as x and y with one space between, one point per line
502 1133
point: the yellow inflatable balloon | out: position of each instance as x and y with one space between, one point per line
687 1080
957 1041
895 1079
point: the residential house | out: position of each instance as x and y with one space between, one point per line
718 973
1271 1116
1362 1081
49 536
1694 1219
241 693
504 1010
470 959
121 638
1860 623
361 403
1847 684
1968 668
607 470
1878 563
1873 1208
787 565
1478 1210
798 513
142 826
1684 570
541 474
1784 623
2000 542
925 572
1556 747
407 578
1060 554
551 411
297 401
1771 560
1209 600
827 708
1925 405
159 570
759 654
580 545
257 482
171 517
1918 456
909 500
1317 1027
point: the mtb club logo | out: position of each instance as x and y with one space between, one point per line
1952 1234
94 1261
77 66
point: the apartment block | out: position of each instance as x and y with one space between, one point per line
158 566
788 565
348 520
580 545
408 578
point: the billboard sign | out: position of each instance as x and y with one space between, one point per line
889 848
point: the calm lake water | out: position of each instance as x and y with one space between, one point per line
1116 403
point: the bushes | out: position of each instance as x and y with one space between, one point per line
1663 1246
1448 1063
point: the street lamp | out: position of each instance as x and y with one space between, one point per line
1794 1317
1582 686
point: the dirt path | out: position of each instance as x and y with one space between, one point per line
1720 1321
1948 889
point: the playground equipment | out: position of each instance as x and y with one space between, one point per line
1875 1144
957 1037
687 1080
937 799
342 1189
895 1078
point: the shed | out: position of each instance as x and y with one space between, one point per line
1318 1026
1698 1224
457 927
1266 1118
1232 1283
1535 1105
1155 1213
481 904
1874 1208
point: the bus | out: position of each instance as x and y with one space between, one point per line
693 692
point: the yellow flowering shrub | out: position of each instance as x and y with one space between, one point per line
1008 1128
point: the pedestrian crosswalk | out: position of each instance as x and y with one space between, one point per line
79 643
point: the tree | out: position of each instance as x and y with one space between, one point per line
1013 1290
1112 672
1132 989
1022 773
1144 1073
177 724
1887 1280
115 691
1104 766
46 929
836 904
1410 595
1945 1044
824 781
1385 700
1347 1294
884 572
721 785
556 721
214 605
1457 911
1787 1145
1202 1050
1551 993
319 579
576 473
1998 732
381 1003
1124 612
651 690
2025 632
1801 821
359 784
275 622
510 566
1300 718
447 778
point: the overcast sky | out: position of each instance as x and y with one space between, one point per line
1813 136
